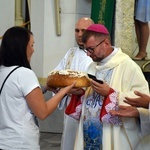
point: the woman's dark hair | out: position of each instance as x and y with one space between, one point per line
13 47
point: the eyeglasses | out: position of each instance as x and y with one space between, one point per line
91 49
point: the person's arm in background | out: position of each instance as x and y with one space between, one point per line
136 110
142 101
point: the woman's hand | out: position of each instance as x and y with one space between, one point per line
68 89
76 91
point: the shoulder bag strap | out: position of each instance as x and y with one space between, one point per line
7 78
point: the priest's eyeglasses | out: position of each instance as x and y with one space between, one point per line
91 49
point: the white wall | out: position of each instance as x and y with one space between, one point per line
6 15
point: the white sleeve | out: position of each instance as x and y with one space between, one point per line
144 121
27 81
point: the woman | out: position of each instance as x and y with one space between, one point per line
141 19
21 97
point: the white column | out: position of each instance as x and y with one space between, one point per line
18 13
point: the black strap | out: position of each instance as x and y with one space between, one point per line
7 78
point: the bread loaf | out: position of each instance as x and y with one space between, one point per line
64 78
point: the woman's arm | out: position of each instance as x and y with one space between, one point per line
42 108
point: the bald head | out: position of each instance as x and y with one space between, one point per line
81 25
85 21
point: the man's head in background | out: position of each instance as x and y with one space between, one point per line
81 25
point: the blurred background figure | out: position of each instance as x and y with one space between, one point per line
141 19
